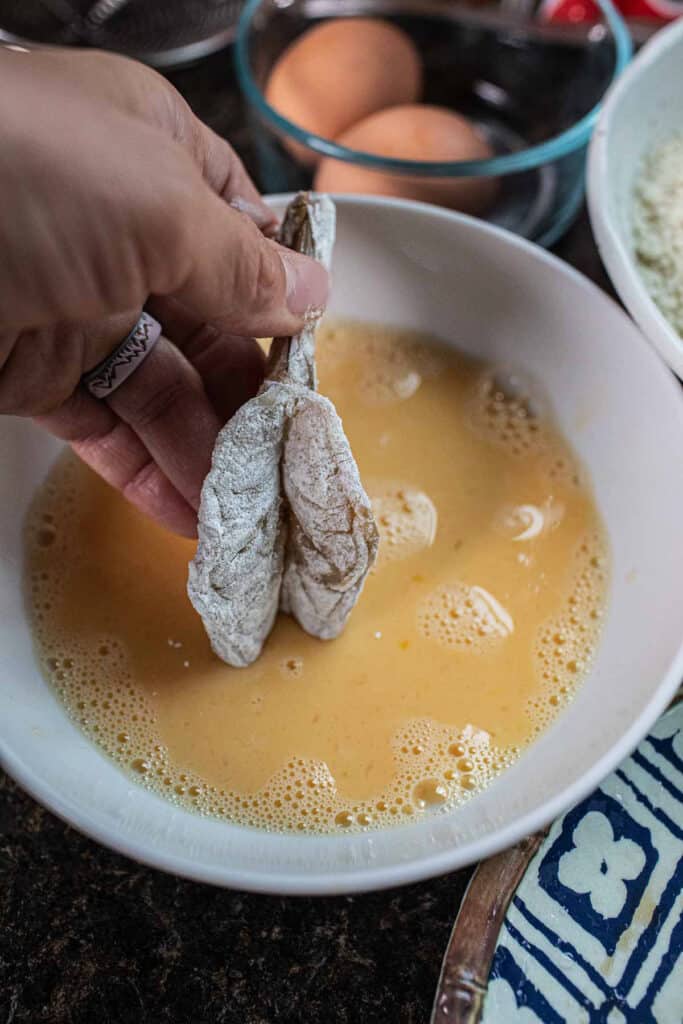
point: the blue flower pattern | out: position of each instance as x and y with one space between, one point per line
594 933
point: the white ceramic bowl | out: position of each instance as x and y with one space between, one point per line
499 297
643 108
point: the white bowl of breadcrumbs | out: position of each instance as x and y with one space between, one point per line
635 191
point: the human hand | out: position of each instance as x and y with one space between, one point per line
115 196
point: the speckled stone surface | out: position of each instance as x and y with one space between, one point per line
88 936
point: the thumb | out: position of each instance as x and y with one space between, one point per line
248 283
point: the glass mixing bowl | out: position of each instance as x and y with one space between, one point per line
532 88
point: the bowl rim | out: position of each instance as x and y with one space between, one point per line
552 149
421 867
614 252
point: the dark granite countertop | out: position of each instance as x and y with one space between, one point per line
88 936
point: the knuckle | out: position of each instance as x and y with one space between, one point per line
145 484
146 412
171 233
233 176
197 138
205 339
37 375
86 447
259 278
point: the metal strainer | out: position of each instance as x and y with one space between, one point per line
163 34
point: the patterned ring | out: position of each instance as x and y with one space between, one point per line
108 375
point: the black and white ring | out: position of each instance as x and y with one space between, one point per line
108 375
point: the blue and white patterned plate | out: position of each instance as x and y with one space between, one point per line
594 932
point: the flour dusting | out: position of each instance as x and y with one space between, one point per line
658 228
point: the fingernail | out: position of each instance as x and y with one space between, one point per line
262 216
308 283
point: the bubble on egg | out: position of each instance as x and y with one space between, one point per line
388 372
566 643
528 522
463 616
406 519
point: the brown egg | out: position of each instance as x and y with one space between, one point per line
341 71
413 133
